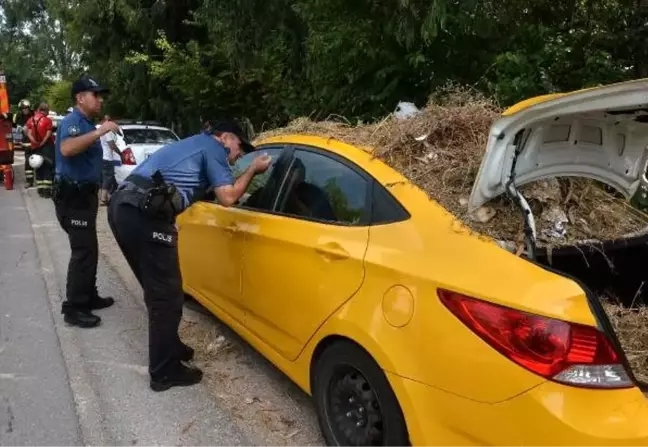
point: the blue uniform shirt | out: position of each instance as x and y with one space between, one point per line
193 165
83 167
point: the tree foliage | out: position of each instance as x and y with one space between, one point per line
183 62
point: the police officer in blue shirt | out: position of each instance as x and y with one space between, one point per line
78 172
142 216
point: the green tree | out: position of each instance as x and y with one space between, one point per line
182 62
58 96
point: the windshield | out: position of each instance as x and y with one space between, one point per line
149 136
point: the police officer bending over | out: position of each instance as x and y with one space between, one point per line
142 215
78 174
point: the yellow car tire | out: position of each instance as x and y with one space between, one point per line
354 402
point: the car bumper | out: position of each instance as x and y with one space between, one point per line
123 171
549 414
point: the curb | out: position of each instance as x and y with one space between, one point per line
86 400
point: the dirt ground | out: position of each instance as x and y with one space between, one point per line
257 393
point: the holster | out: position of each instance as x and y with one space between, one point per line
161 201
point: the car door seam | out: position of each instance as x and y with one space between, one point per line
353 294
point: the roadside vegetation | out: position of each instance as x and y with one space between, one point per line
181 62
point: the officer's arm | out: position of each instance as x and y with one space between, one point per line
72 146
46 139
228 195
30 135
49 129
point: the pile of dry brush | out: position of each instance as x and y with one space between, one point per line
631 326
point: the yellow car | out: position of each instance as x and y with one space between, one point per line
405 327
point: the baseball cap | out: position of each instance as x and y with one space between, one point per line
232 127
86 84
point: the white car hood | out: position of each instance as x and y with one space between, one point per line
599 133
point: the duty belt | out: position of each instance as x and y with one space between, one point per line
74 187
160 200
137 183
74 194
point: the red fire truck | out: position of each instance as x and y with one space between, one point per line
6 136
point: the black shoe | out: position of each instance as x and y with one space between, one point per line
81 319
186 353
101 303
181 376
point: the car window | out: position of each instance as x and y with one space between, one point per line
255 191
148 136
322 188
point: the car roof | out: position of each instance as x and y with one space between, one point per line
362 156
413 198
143 126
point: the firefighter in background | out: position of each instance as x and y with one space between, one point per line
39 129
20 120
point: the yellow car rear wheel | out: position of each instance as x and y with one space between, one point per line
354 401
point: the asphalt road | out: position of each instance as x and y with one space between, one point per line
36 401
61 385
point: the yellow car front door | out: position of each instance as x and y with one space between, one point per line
211 245
211 252
304 259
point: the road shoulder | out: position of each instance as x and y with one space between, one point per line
107 365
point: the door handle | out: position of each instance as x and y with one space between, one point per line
332 250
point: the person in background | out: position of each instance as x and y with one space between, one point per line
39 129
111 157
24 113
20 120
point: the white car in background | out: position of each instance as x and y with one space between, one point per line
139 141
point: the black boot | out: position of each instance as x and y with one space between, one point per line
81 318
181 375
98 302
186 352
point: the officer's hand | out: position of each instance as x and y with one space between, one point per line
108 126
261 163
